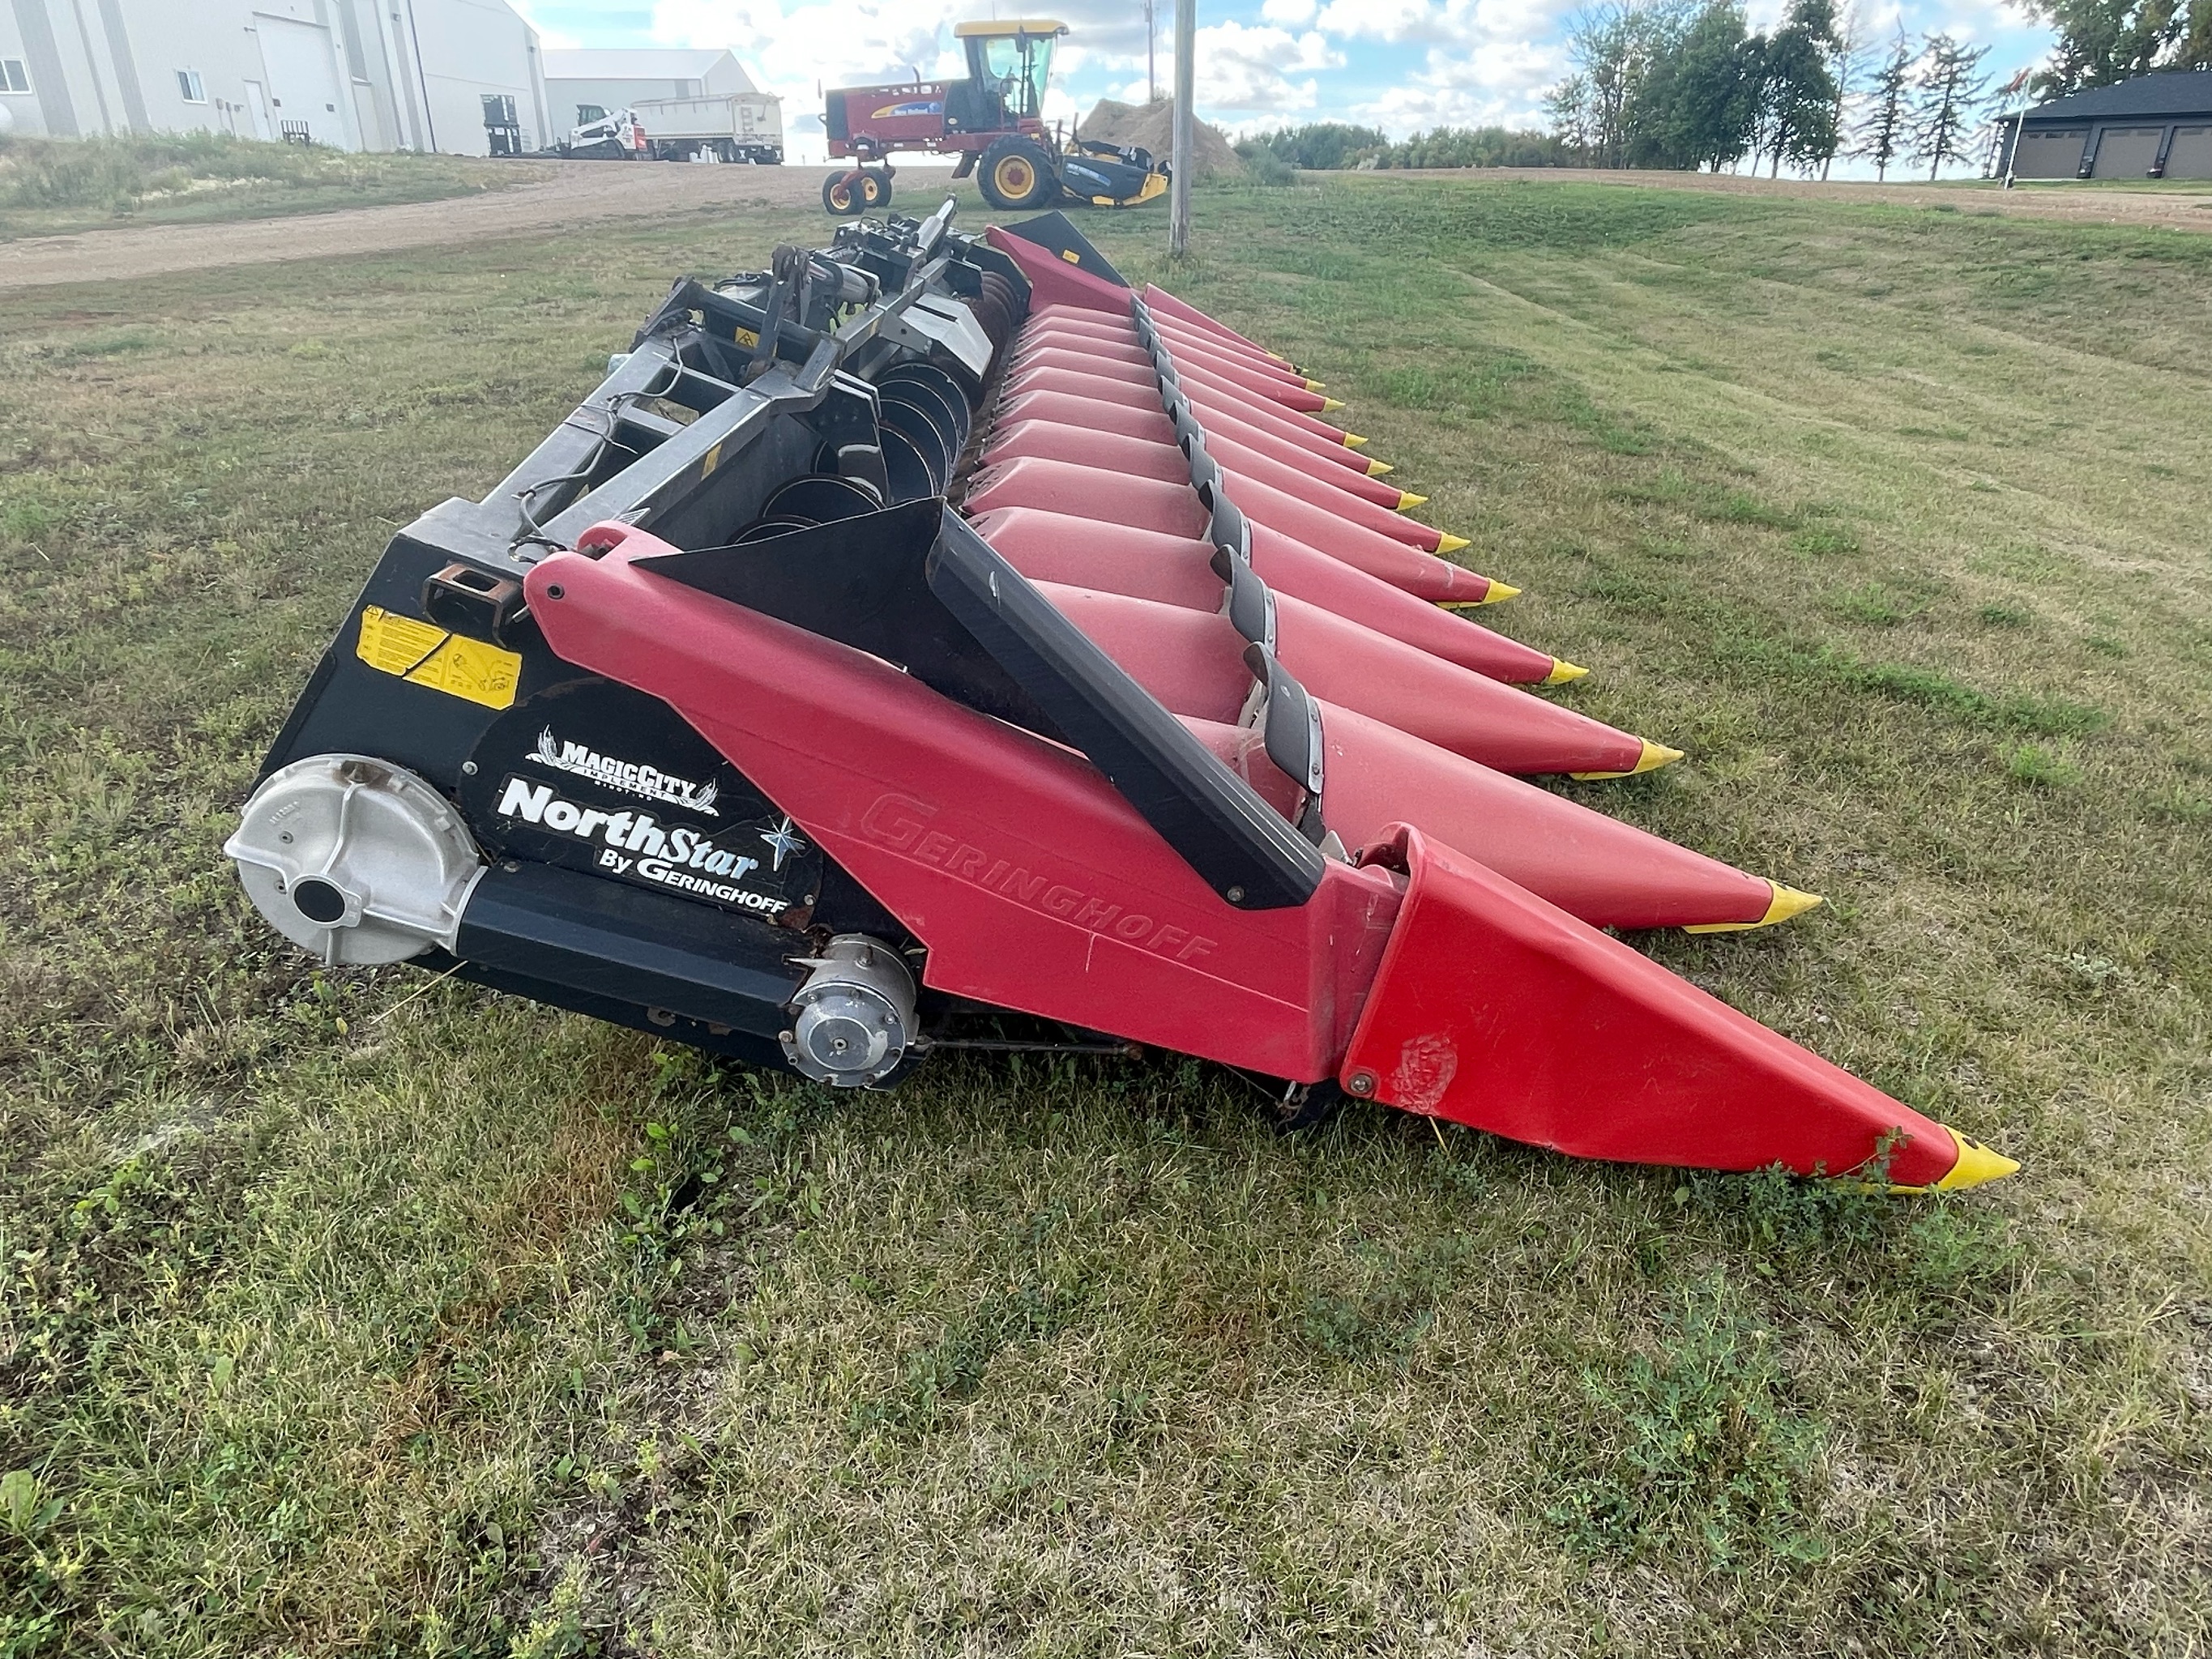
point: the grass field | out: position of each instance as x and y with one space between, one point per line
55 187
354 1314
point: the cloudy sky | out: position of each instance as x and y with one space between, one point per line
1402 65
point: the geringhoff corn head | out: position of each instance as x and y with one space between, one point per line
931 643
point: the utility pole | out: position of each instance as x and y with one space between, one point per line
1152 36
1186 81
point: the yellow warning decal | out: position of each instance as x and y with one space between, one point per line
1069 253
423 654
710 461
744 337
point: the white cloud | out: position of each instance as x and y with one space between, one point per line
871 41
1291 13
1244 68
1502 85
1443 23
1486 61
1380 20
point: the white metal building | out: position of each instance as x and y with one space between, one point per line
351 74
616 78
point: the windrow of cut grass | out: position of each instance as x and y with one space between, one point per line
356 1313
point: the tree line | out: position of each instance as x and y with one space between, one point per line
1327 146
1687 84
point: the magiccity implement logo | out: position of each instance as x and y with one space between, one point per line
630 777
638 846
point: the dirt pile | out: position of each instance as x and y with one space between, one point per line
1151 126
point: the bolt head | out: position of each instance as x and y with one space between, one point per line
1361 1083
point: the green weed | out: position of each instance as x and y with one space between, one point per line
1698 1446
2033 763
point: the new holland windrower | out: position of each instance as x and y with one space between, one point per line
933 642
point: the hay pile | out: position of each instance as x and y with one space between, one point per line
1151 126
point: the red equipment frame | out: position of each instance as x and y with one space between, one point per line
1418 978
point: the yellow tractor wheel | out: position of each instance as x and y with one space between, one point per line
1016 173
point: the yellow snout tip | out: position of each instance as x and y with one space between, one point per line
1353 440
1407 501
1563 671
1376 469
1497 593
1976 1164
1654 755
1327 404
1787 901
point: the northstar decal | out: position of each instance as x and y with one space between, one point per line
635 843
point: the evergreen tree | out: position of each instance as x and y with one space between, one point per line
1796 105
1882 132
1953 89
1846 64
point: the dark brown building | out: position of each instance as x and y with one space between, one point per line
2155 126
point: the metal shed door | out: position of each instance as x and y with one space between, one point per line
303 76
2050 154
2191 155
2127 152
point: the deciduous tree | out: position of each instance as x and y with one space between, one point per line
1700 100
1613 47
1796 102
1323 146
2101 41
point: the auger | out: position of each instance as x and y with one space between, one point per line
932 642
